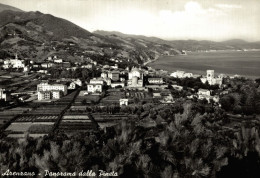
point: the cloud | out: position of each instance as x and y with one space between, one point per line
228 6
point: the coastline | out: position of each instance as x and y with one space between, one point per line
196 68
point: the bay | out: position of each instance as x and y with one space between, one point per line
244 63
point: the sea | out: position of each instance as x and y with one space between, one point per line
243 63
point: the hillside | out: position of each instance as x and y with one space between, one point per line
192 45
36 36
4 7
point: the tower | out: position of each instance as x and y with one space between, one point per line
210 74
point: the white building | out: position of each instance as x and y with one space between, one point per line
211 79
13 63
117 84
72 86
56 94
47 91
135 77
178 74
155 80
58 61
96 81
51 87
135 72
123 102
104 75
44 95
203 92
94 88
3 95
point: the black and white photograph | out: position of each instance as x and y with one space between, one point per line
130 88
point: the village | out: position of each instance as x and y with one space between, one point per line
36 100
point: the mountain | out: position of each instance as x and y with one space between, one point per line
191 45
4 7
36 36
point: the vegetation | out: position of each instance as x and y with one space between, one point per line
243 100
192 144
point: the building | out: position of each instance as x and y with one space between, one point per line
72 86
47 65
88 66
26 69
135 72
155 80
123 102
104 75
51 87
118 84
4 95
178 74
181 74
211 79
14 63
94 88
135 77
203 92
114 75
177 87
56 94
51 91
58 61
96 81
44 95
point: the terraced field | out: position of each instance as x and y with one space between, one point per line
75 123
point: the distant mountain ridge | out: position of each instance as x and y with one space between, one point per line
36 36
192 45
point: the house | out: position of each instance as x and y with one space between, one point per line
95 88
155 80
72 86
96 81
167 99
88 66
104 75
4 95
57 60
14 63
177 87
47 91
178 74
113 75
157 95
123 102
44 95
203 92
51 87
56 94
47 64
118 84
181 74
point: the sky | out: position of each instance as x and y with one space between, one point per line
216 20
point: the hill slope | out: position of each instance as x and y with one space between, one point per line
36 36
4 7
192 45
